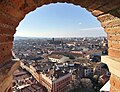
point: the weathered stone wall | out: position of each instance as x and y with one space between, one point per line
13 11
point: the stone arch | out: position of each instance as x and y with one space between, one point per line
13 11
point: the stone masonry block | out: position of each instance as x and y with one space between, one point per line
115 82
114 53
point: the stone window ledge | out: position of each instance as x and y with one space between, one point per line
113 64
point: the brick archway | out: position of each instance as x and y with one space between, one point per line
13 11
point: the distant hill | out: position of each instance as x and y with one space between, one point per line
18 37
22 38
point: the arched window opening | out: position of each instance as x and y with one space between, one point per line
60 41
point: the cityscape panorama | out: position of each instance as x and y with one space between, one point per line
59 47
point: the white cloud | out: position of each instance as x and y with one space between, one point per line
85 32
94 28
79 23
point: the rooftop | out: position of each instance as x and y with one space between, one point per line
55 56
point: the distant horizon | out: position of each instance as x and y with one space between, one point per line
59 37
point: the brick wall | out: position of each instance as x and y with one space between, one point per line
115 83
13 11
111 24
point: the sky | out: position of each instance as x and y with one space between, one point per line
60 20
